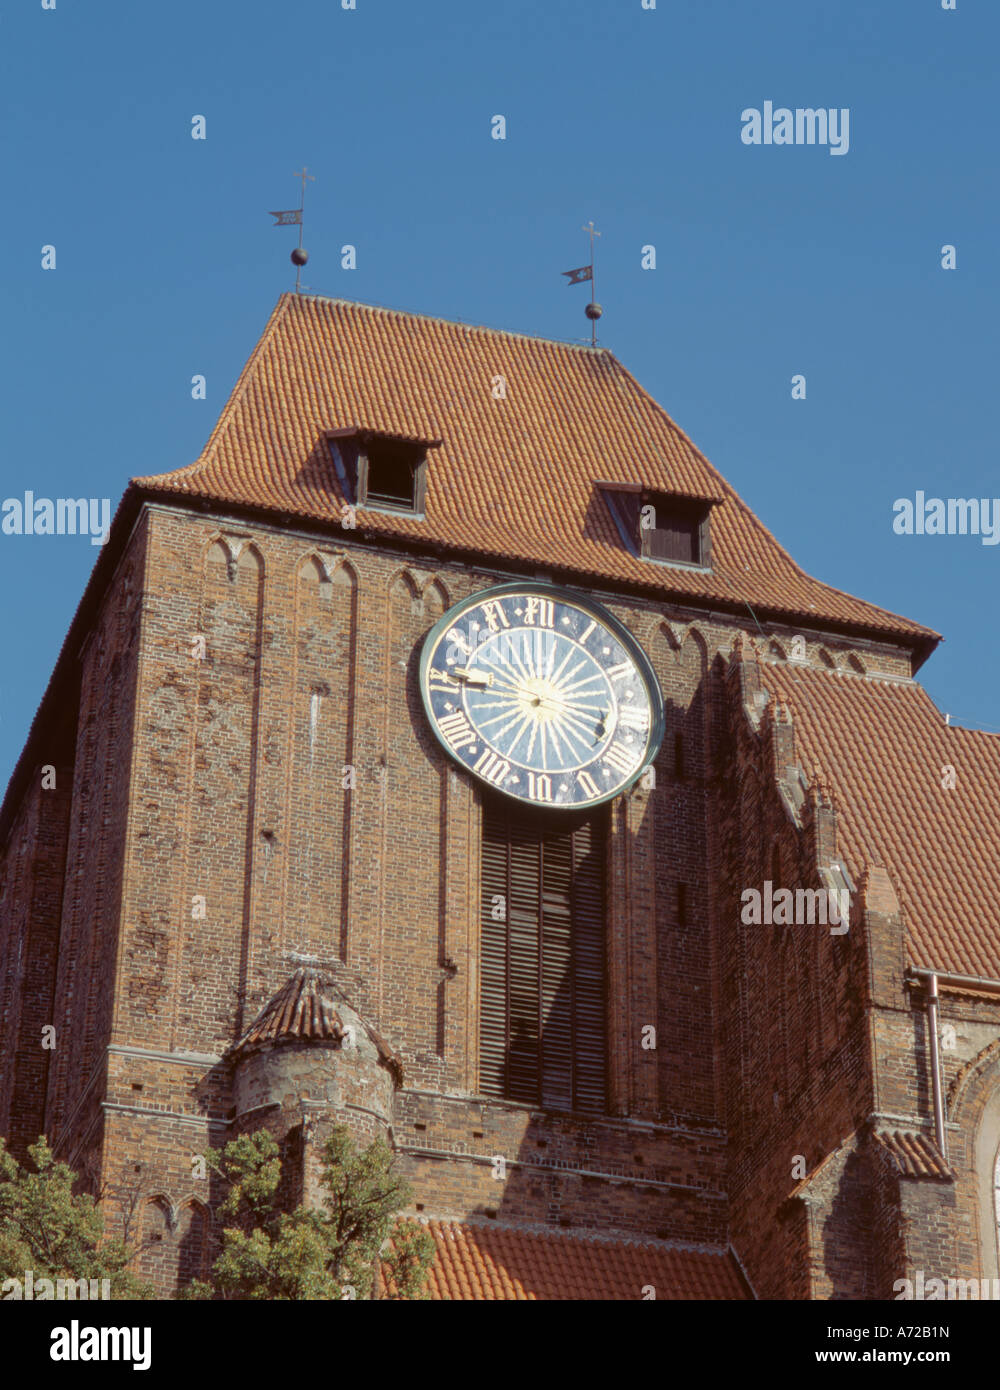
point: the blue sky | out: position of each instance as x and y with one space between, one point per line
771 261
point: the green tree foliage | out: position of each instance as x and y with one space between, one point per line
47 1229
314 1253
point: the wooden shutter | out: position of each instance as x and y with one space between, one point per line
589 956
542 1010
493 965
675 538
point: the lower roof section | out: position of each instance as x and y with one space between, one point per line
917 795
475 1261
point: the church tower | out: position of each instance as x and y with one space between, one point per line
416 749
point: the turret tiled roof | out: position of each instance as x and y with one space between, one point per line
310 1009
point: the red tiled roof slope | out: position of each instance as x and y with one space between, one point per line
514 478
496 1262
882 746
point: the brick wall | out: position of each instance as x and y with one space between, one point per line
255 788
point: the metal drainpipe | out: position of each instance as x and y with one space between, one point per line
932 1028
981 985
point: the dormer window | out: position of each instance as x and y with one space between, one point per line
673 528
389 474
382 472
660 525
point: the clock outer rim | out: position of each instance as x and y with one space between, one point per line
618 630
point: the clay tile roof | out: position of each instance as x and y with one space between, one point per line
914 1154
299 1010
497 1262
307 1009
883 747
515 479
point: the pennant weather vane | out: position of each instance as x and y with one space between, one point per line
292 217
582 274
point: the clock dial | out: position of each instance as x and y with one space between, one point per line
542 694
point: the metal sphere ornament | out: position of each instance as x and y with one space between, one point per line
593 311
299 256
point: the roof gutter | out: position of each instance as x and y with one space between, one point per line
980 983
919 641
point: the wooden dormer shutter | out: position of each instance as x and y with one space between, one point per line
542 1008
382 472
661 525
680 533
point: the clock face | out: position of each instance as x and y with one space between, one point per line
542 694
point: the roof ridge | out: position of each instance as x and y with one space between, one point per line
291 296
839 672
564 1233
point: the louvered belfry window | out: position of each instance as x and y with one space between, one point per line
543 1036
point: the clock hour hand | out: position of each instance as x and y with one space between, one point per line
463 673
601 728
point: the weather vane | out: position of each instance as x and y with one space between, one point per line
583 273
292 217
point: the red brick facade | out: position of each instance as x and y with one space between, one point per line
246 787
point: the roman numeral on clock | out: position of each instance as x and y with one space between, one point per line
588 784
492 768
633 717
620 758
494 615
539 787
539 612
619 672
457 730
441 680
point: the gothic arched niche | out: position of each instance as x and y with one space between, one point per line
403 592
987 1161
321 747
312 571
663 630
217 557
233 566
435 599
173 1244
154 1238
696 719
191 1236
